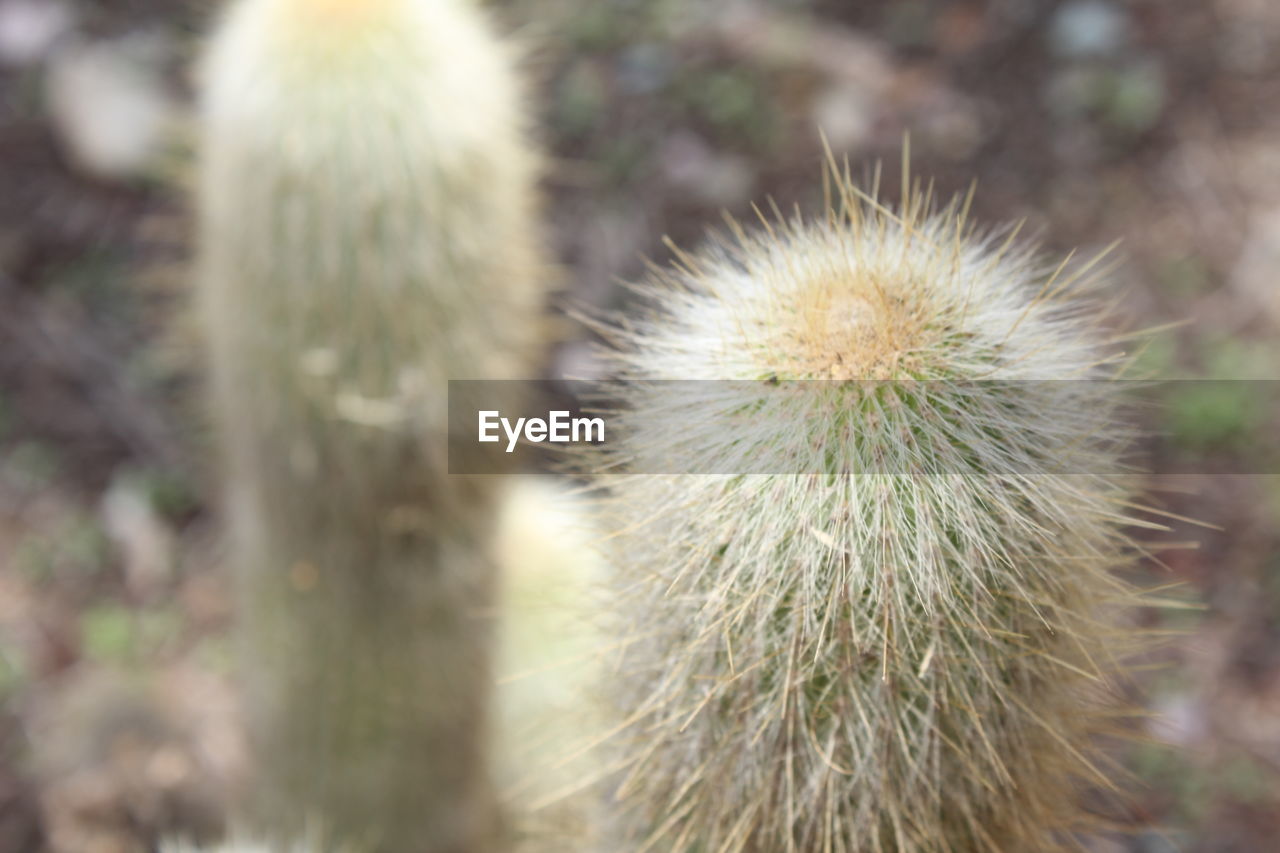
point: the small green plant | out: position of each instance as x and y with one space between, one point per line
366 202
905 644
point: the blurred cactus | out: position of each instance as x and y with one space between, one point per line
366 234
548 667
913 658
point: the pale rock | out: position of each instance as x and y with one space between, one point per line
1255 276
29 29
1086 28
109 106
144 541
844 114
1179 721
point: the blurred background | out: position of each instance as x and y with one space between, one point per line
1155 122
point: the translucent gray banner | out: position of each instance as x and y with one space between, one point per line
926 427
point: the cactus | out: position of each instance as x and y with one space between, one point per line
549 667
911 658
366 206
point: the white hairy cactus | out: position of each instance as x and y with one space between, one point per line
898 637
549 666
367 207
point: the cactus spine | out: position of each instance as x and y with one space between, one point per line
906 660
366 206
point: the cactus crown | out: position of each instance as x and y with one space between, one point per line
870 293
